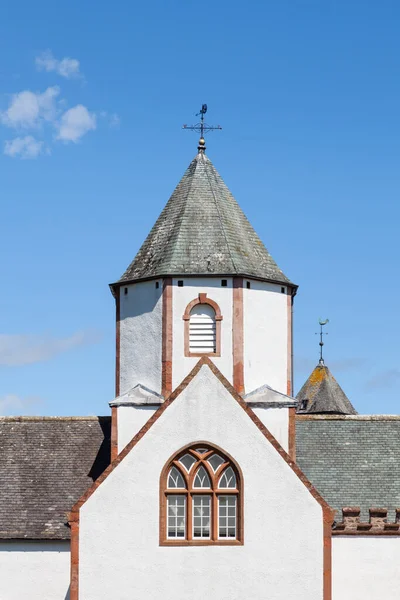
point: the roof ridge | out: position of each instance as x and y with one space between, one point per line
219 216
31 418
182 214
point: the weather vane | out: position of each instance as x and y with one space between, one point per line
202 127
321 342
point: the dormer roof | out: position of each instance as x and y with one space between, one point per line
322 394
203 231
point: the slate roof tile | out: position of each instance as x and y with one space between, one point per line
351 460
46 464
203 231
321 393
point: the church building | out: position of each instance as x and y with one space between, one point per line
209 479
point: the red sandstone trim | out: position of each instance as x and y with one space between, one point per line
377 524
292 432
289 342
117 339
114 411
74 569
166 368
327 553
202 299
237 335
114 432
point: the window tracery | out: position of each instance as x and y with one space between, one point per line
201 498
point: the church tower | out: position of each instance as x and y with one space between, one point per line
203 284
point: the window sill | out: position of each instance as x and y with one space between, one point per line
200 354
203 543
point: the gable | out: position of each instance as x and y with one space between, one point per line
281 510
204 392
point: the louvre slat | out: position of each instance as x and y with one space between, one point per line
202 332
202 335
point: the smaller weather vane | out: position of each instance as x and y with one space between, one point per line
202 127
321 339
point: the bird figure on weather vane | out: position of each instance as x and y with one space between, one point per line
202 127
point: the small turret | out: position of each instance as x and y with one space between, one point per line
321 394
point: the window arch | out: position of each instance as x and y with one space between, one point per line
201 498
202 327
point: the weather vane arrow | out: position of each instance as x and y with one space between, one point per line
202 127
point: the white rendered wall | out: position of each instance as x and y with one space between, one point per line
141 336
34 570
276 420
181 296
130 420
265 336
365 568
282 555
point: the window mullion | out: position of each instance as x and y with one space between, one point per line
189 519
214 517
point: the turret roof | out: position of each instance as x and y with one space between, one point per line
203 231
321 393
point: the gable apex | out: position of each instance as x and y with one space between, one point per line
203 362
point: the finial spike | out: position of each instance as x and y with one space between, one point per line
202 128
321 341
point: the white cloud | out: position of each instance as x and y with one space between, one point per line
28 109
66 67
11 404
75 123
19 349
26 147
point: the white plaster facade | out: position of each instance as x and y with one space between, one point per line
266 351
265 330
282 555
130 420
276 420
365 568
34 570
141 335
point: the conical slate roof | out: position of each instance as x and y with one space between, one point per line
321 393
203 231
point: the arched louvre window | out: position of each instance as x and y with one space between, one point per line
202 329
201 497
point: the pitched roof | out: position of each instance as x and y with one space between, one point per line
266 396
321 393
203 231
351 460
46 463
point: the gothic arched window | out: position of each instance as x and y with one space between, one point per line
202 327
201 498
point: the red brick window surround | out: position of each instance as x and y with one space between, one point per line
202 322
201 498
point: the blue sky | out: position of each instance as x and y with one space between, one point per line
92 99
